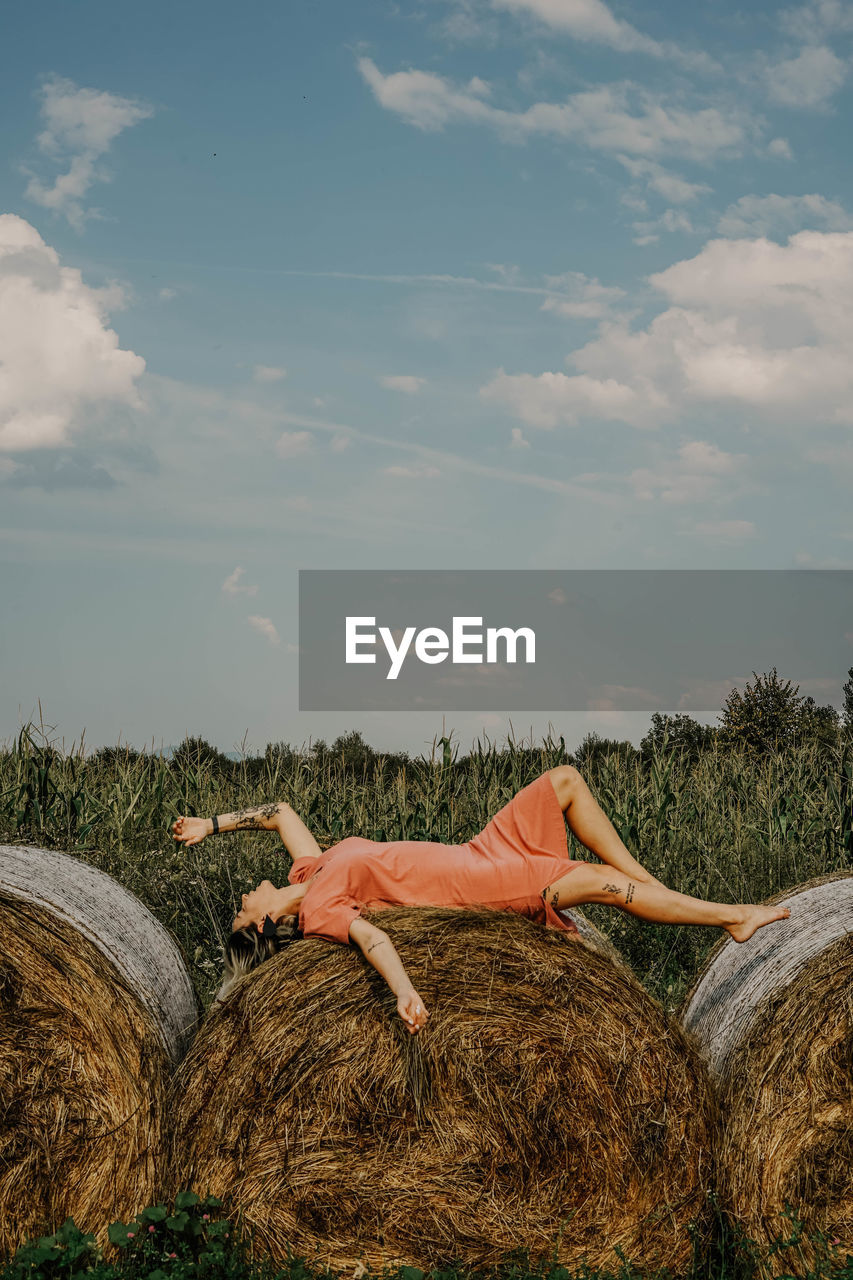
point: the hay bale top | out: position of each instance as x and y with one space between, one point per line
549 1099
740 978
117 923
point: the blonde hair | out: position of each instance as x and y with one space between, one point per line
247 948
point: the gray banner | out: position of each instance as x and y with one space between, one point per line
566 640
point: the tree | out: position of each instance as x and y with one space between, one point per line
847 713
770 714
676 733
594 748
196 753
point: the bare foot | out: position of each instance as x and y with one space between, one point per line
190 830
754 918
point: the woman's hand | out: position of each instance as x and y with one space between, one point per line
412 1010
190 830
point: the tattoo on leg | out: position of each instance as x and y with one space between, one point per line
555 899
250 819
629 893
611 888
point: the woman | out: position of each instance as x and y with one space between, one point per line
519 862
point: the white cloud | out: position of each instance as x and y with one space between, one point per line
292 444
809 80
585 20
264 627
404 382
166 295
232 586
554 398
648 231
421 471
622 117
593 21
816 19
581 297
766 215
518 439
780 148
57 356
268 373
751 323
340 442
81 124
669 185
699 472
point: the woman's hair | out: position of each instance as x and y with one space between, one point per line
247 948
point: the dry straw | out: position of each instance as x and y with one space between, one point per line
774 1019
95 1009
549 1100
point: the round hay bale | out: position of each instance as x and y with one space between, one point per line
96 1007
773 1017
548 1102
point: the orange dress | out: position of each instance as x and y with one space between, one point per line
516 855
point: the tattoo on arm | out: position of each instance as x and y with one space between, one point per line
375 945
611 888
629 893
251 819
555 899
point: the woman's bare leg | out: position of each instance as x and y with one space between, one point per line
653 901
590 824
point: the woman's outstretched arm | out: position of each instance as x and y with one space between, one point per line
296 837
378 948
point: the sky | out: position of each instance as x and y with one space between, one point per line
470 284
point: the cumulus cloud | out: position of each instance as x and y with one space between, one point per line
518 439
80 127
780 148
232 586
292 444
623 117
809 80
264 627
751 323
404 382
554 398
768 215
268 373
58 358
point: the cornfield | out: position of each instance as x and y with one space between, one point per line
721 824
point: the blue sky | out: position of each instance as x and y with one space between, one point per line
458 284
